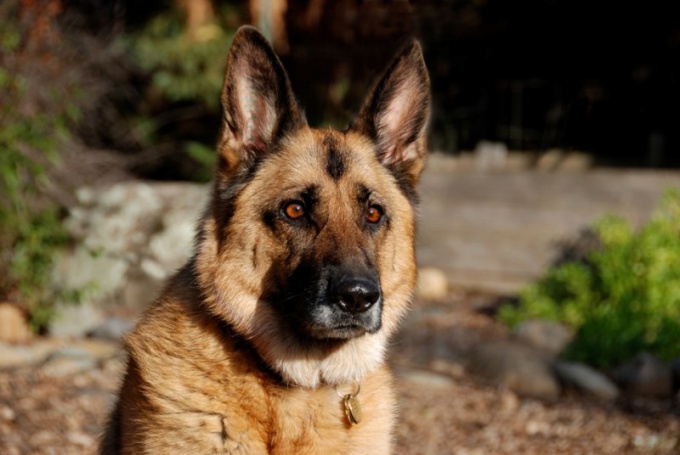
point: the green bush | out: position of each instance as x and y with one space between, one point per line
185 70
30 228
182 67
623 298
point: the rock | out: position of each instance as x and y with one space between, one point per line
432 284
508 402
44 350
425 378
537 427
490 155
112 329
172 246
645 375
97 349
81 356
81 439
447 367
153 269
586 379
523 369
555 159
17 356
7 414
575 161
122 215
75 320
100 274
549 336
550 160
131 237
14 326
61 366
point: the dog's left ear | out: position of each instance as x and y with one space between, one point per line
396 114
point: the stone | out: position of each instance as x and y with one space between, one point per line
490 155
78 357
549 336
81 439
550 160
509 402
172 246
645 375
99 273
112 329
586 379
14 326
99 350
153 269
7 414
425 378
432 284
61 366
521 368
75 319
131 237
117 217
448 367
32 353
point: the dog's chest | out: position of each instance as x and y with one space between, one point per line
292 422
203 392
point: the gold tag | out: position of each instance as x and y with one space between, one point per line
353 409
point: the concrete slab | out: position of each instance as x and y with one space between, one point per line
497 231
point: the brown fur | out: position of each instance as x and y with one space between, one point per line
230 359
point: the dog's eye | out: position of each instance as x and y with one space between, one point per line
374 214
294 210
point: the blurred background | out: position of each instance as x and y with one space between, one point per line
551 195
140 79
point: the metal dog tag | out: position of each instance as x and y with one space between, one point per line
353 409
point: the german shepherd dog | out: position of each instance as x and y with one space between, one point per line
271 339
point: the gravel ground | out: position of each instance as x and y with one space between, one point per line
443 409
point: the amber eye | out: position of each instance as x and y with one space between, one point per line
374 214
294 210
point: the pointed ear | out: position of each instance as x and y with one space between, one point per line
396 114
258 102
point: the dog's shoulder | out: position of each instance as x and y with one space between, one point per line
178 327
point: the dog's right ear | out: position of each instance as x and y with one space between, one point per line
257 99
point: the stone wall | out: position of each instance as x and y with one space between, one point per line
128 239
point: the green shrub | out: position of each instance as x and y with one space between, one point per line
33 120
624 297
182 67
185 72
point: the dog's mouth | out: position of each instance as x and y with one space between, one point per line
338 332
327 320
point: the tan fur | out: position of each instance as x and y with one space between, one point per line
213 368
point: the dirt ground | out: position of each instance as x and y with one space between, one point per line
443 410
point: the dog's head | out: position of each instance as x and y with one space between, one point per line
308 247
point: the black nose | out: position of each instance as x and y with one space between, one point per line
355 295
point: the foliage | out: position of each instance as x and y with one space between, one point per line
185 70
623 298
30 228
183 67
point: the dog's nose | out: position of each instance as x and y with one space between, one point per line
355 295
